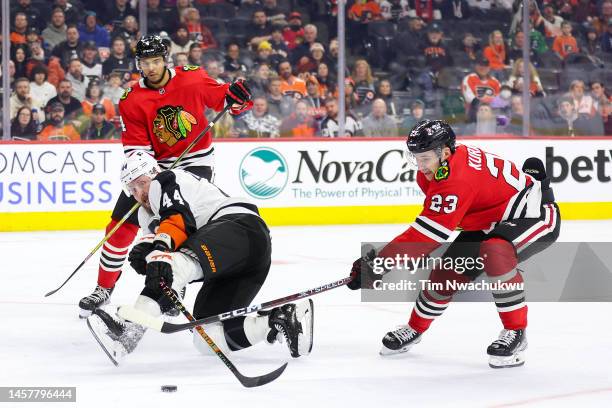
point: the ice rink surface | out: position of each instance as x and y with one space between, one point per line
43 343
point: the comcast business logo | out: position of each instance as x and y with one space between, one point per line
263 173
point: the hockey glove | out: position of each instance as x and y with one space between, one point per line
159 267
363 272
138 254
238 96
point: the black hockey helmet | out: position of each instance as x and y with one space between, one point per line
430 134
151 46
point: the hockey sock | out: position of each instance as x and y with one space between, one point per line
114 252
236 333
434 299
500 266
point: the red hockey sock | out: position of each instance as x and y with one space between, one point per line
500 266
114 252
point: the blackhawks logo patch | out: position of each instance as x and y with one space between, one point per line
172 124
443 172
190 67
125 93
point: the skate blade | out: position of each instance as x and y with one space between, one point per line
384 351
84 313
305 314
515 360
112 354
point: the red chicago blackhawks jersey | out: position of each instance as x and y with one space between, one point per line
474 191
163 122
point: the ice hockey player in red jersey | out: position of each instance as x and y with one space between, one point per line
500 210
161 115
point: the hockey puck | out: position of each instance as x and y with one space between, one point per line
169 388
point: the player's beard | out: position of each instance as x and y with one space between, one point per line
160 80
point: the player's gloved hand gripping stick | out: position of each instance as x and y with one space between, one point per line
137 205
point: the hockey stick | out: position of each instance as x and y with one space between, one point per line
135 206
144 319
244 380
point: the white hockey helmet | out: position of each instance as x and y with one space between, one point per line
136 165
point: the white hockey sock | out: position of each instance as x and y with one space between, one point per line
215 332
256 328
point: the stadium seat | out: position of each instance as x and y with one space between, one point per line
550 59
550 79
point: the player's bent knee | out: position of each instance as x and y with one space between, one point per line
216 333
498 256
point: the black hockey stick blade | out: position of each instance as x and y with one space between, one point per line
251 382
134 315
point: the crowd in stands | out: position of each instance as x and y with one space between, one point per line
407 60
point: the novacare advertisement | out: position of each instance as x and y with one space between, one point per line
375 172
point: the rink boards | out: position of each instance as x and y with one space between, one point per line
294 182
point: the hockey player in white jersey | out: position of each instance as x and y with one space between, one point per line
197 233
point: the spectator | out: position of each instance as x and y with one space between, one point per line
78 80
56 72
351 99
303 49
576 124
259 81
129 32
40 88
455 9
394 10
378 123
117 11
264 50
180 40
478 87
214 69
515 82
290 84
565 44
24 126
314 101
385 92
552 22
56 128
274 13
584 11
426 10
606 38
259 29
118 60
37 55
20 26
417 114
69 49
408 41
327 84
600 96
71 105
537 46
317 55
71 10
329 125
92 31
279 105
32 34
364 82
100 128
93 97
486 122
364 11
293 34
583 104
90 62
55 33
180 59
436 54
112 88
278 44
604 20
195 54
22 97
501 103
19 56
198 31
174 15
234 66
257 122
592 43
495 53
32 13
11 76
470 49
157 18
299 123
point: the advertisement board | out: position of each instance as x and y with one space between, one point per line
72 186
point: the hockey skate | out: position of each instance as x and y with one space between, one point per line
293 324
508 350
399 340
98 298
116 336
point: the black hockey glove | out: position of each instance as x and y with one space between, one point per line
138 254
238 93
362 272
159 267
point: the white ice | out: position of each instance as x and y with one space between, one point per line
43 343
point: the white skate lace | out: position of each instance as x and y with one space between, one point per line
99 293
405 334
506 337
